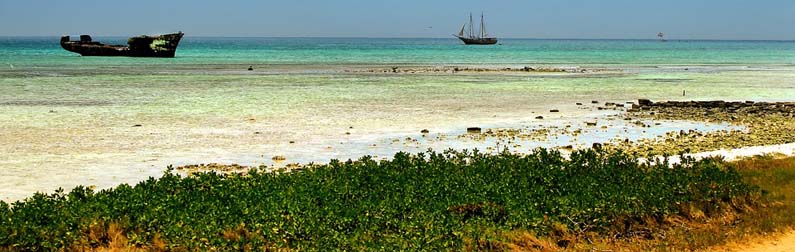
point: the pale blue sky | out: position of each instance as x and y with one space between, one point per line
620 19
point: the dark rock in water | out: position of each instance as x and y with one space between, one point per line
594 102
579 104
137 125
539 117
554 111
645 102
590 123
425 131
619 105
251 68
292 142
476 130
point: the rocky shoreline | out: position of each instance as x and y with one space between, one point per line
765 123
754 124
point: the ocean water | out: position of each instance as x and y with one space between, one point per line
45 51
67 120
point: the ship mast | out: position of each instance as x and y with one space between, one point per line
482 27
471 32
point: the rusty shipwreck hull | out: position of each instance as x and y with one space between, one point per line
163 46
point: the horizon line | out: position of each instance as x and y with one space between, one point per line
375 37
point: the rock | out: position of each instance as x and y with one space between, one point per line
475 130
292 142
579 104
137 125
645 102
590 123
251 68
257 132
594 102
539 117
279 158
554 111
425 131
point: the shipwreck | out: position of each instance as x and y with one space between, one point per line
164 46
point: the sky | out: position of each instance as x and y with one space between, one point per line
543 19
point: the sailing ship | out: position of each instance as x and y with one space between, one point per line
662 37
470 38
163 46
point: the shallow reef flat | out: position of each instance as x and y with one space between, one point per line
104 128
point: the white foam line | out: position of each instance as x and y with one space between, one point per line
740 153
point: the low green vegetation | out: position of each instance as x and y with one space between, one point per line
432 201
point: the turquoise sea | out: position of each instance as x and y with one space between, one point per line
67 120
45 51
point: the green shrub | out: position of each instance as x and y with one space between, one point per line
430 201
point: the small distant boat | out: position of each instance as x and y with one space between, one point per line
162 46
662 37
470 38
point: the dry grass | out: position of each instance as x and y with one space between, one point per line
113 238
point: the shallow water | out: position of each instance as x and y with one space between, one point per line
68 120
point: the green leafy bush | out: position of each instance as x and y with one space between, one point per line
430 201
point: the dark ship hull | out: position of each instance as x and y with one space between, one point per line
478 41
163 46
